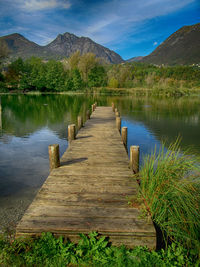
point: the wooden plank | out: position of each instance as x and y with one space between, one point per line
84 223
82 211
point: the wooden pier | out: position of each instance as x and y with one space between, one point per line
91 189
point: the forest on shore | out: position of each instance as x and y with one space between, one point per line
84 72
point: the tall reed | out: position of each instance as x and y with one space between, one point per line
170 190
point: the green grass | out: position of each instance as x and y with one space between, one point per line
170 192
90 251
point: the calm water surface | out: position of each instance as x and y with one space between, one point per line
28 124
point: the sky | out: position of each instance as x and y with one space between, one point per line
129 27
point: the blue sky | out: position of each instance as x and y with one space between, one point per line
129 27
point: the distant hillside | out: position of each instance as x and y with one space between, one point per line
182 47
135 59
63 46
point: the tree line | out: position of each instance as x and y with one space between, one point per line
80 72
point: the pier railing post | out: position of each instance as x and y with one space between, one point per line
54 159
117 114
113 107
118 123
80 122
134 158
71 132
87 115
124 136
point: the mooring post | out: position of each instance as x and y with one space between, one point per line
117 114
113 106
118 123
134 158
124 136
54 159
80 122
71 132
87 115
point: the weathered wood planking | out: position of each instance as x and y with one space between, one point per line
91 189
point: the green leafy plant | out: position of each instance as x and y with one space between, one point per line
92 250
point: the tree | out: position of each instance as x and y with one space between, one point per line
97 77
113 83
87 62
37 73
15 72
55 78
77 80
74 60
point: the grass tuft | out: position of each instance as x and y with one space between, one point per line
170 191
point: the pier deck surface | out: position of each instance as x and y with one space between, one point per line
91 190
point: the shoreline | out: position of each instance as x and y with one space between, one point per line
116 91
13 208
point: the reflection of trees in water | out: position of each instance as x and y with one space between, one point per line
167 118
164 117
23 115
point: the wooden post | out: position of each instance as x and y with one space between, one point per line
124 136
80 122
116 110
113 107
87 115
134 158
117 114
93 108
118 123
71 132
54 159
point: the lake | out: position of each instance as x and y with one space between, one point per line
29 123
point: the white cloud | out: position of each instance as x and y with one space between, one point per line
155 43
35 5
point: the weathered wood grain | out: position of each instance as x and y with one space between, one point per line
91 189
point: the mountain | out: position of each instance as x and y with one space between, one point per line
63 46
67 43
135 59
19 46
182 47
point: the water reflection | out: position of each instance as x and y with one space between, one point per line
28 124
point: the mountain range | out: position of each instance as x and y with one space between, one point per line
182 47
63 46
